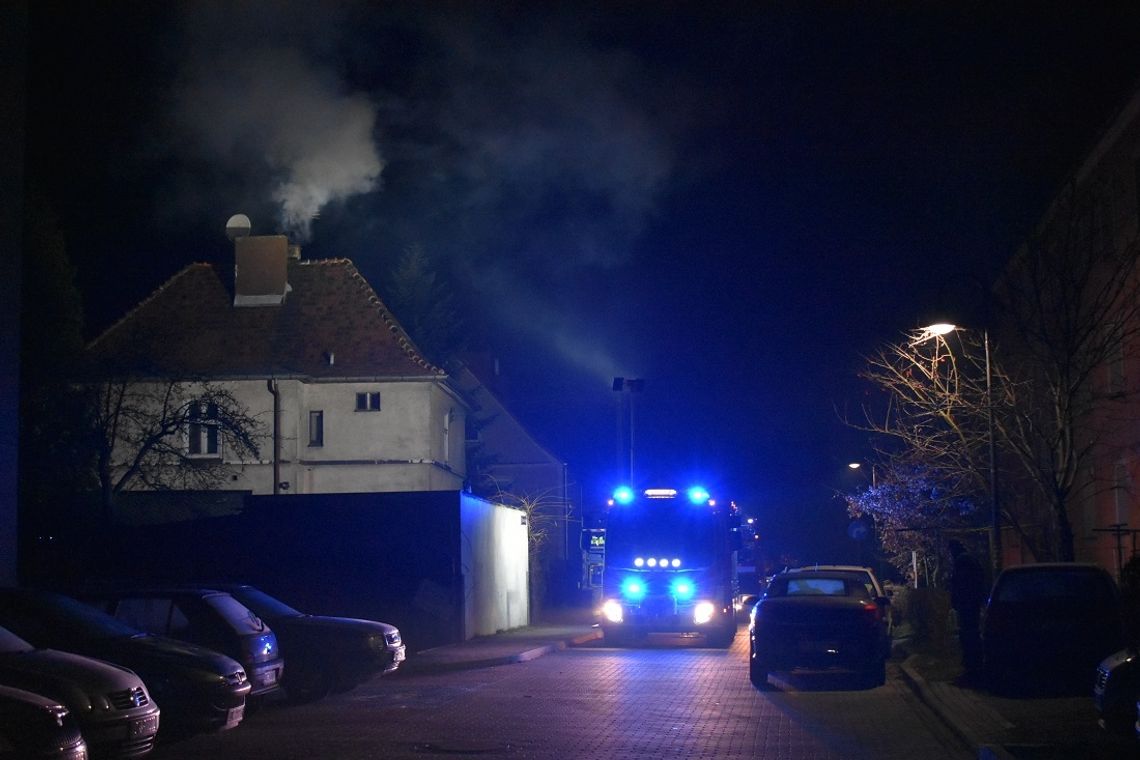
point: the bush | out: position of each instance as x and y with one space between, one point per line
927 610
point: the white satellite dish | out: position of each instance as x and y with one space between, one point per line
238 226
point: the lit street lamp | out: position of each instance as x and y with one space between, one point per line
941 329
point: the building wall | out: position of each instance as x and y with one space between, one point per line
400 447
493 557
1107 492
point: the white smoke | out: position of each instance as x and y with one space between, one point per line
273 106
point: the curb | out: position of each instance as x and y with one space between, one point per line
918 685
532 654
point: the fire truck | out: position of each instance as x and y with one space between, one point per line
670 566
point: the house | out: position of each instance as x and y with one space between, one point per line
344 401
360 465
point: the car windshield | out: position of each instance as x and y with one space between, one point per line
262 603
1054 586
816 585
658 529
10 643
242 618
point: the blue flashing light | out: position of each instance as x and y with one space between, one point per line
698 495
683 589
623 495
633 589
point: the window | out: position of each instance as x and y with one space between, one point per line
202 431
368 402
317 428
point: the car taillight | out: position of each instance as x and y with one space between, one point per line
873 611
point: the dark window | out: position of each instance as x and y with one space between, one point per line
317 428
202 430
368 402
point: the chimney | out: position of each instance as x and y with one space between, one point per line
260 270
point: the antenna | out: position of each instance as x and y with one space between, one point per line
238 226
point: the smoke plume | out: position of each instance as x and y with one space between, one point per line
274 109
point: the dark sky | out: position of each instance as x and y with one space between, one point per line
733 202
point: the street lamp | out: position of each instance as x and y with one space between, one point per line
943 328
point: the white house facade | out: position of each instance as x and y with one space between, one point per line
343 399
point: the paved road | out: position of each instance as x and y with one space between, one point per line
595 702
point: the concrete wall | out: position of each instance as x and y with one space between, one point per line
493 558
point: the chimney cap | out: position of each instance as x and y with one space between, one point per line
238 226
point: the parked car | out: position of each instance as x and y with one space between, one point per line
114 710
35 726
324 653
205 617
818 619
1117 689
1047 626
198 688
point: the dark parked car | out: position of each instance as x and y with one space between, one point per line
111 703
818 619
1046 626
205 617
323 653
196 687
1117 689
34 726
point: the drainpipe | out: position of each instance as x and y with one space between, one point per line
271 386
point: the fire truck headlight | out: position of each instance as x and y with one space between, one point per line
611 610
675 562
633 589
703 612
639 562
652 562
683 590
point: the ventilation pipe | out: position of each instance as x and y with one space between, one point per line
271 386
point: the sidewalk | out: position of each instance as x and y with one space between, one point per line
1009 728
997 728
519 645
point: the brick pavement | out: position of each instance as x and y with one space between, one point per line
999 728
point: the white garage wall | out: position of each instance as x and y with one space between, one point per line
493 557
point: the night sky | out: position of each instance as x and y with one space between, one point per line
731 201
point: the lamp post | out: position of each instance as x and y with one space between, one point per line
939 330
859 466
631 385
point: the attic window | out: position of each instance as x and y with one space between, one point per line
368 402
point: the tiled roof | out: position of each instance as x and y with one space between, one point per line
189 327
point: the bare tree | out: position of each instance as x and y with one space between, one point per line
168 435
1066 308
1069 309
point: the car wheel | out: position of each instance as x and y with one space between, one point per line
722 637
758 670
876 673
308 685
616 637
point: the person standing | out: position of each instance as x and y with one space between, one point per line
967 597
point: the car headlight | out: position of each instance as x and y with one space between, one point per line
612 611
703 612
